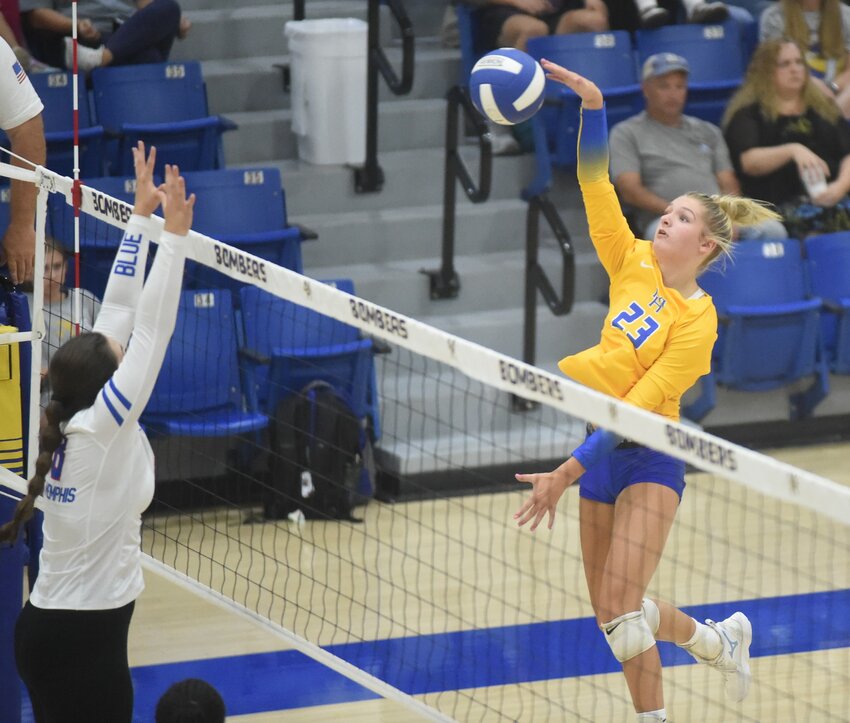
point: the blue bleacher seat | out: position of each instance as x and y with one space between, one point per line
164 104
470 51
245 208
715 54
292 345
608 60
57 94
829 271
768 335
98 240
199 392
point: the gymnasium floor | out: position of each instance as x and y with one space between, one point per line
175 635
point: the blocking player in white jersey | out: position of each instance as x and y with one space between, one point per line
95 474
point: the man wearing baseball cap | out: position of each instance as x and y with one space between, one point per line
659 152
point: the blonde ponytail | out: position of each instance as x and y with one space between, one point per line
724 212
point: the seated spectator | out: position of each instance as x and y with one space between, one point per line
190 701
111 32
58 309
781 130
10 31
654 15
656 154
512 23
822 28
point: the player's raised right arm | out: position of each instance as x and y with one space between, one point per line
609 229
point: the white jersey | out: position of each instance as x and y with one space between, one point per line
102 477
20 101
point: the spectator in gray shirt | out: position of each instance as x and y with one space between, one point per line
657 153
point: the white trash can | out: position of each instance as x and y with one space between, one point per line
328 87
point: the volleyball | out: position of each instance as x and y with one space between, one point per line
506 86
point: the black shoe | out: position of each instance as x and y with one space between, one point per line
654 17
709 13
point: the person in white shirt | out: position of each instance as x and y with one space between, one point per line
20 117
95 474
59 324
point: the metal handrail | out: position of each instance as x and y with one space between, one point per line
444 282
370 177
537 280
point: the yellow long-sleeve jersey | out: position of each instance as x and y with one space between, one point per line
655 343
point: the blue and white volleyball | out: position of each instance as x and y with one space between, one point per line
506 86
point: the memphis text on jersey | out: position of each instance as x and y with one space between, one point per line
53 490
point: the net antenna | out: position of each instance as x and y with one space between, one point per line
77 312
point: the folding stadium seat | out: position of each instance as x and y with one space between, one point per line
605 58
98 240
163 104
769 334
199 392
715 54
56 92
286 346
470 51
245 208
829 271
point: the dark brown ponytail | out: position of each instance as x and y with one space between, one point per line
49 439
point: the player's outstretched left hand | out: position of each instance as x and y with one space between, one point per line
547 488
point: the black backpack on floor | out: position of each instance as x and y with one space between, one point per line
322 461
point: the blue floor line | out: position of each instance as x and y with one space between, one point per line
283 680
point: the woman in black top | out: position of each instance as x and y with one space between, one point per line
788 142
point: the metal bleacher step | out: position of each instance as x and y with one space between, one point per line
224 29
402 124
412 232
491 281
256 82
412 177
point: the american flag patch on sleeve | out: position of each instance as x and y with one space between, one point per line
19 72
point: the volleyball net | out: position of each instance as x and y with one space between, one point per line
435 598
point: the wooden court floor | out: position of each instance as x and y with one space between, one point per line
172 625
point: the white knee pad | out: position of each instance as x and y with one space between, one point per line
650 611
628 635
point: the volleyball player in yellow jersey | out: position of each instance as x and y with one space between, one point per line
656 342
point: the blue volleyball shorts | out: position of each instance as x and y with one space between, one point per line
625 467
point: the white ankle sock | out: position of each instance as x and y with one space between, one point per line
705 642
652 715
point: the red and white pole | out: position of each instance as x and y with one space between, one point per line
77 195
